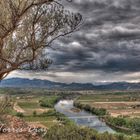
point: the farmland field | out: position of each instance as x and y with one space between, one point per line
117 104
36 106
31 109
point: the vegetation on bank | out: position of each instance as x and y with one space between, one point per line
48 116
49 102
121 123
132 124
93 110
73 132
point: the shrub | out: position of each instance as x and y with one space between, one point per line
34 113
19 114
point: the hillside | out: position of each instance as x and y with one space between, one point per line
37 83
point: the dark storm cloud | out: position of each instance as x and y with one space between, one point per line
105 49
108 40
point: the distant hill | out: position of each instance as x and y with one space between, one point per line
37 83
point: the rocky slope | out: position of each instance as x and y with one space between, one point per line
13 128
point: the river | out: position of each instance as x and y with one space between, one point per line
82 117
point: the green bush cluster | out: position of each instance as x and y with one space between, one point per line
19 114
60 117
131 123
50 113
49 102
86 107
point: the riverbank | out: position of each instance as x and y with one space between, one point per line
119 124
81 117
87 133
124 125
120 129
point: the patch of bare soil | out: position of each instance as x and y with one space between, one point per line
16 129
18 108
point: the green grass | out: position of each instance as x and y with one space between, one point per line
48 101
34 102
48 124
39 119
46 121
109 98
28 104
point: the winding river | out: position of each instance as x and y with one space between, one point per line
82 118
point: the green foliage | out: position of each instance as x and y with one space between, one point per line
99 111
134 124
19 114
50 113
49 101
27 104
73 132
34 113
129 123
68 132
117 121
86 107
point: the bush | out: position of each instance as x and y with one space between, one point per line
34 113
49 102
136 124
96 111
19 114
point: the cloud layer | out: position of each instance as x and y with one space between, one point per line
107 45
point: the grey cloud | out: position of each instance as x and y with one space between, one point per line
109 38
107 43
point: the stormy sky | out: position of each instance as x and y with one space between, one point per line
106 48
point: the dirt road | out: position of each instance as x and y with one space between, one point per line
18 108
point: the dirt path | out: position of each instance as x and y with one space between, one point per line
18 108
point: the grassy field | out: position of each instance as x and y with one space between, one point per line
30 110
31 104
124 104
36 106
120 110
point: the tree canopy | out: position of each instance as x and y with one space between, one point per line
27 27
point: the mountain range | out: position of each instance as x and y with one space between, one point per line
37 83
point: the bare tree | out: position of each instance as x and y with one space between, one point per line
27 27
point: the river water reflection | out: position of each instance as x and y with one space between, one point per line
81 117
